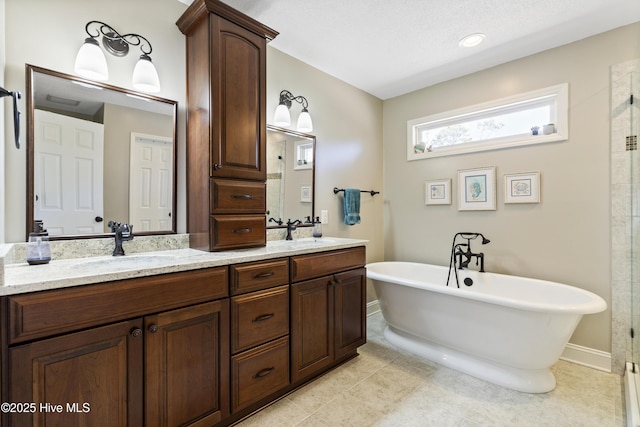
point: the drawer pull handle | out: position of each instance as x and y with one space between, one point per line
242 196
243 230
136 332
263 317
264 372
264 275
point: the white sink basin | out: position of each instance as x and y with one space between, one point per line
123 262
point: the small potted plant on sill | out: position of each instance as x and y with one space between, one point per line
534 130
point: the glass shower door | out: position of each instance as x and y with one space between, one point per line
634 174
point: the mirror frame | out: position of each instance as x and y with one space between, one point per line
30 70
312 138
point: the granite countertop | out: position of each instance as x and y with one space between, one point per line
21 277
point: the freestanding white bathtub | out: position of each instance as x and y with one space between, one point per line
507 330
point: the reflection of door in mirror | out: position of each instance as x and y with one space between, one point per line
150 182
68 173
290 175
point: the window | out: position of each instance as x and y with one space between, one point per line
529 118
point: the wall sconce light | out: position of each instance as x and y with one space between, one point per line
282 117
91 63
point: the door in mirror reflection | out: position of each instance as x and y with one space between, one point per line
68 174
150 183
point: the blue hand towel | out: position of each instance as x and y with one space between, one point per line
351 206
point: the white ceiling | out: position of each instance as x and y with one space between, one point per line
391 47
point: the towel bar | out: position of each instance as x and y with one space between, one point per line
336 190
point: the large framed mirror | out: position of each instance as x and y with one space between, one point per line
97 153
290 176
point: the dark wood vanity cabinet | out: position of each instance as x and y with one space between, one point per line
155 365
204 347
259 331
328 313
226 126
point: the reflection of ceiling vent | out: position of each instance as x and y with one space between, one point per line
632 143
63 101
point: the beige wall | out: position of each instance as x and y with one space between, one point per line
565 238
49 33
348 125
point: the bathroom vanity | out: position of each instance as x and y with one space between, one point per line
226 126
177 337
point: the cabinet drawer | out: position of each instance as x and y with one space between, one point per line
255 276
305 267
259 372
259 317
238 231
52 312
232 197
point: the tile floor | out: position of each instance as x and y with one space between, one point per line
388 387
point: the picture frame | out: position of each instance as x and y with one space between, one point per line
522 187
477 189
437 192
305 193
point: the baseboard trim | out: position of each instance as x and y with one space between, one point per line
373 307
573 353
586 356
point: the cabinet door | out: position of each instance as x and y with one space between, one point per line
89 378
349 296
187 365
238 88
311 327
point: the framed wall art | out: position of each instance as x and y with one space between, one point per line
477 189
437 192
305 193
522 187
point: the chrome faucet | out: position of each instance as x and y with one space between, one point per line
461 255
122 232
290 227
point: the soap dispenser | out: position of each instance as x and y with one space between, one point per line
38 249
317 228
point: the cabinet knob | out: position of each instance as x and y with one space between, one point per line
264 372
153 328
217 166
136 332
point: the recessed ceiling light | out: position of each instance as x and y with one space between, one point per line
472 40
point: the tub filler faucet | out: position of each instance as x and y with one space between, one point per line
122 232
461 255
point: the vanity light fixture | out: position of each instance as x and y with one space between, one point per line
472 40
282 117
92 64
